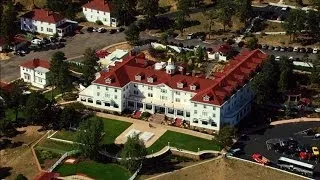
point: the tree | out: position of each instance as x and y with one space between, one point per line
132 34
59 75
201 54
35 106
124 11
8 18
313 24
150 8
315 4
182 13
90 64
225 11
67 117
56 5
89 136
252 43
315 72
225 136
211 16
164 38
295 22
21 177
244 9
133 153
16 98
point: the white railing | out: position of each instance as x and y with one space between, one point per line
136 173
61 159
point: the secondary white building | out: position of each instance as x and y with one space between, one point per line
143 85
35 72
100 10
46 22
221 53
112 58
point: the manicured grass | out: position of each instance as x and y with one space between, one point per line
55 146
94 170
182 141
112 129
11 115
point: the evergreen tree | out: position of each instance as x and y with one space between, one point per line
124 11
8 18
225 11
182 13
35 106
244 9
132 34
295 23
90 64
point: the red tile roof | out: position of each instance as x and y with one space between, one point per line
101 5
34 63
221 87
47 176
224 49
5 86
43 16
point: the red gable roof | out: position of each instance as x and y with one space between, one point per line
43 16
5 86
34 63
218 89
224 49
100 5
47 176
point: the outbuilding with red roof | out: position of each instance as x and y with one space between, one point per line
46 22
99 10
35 72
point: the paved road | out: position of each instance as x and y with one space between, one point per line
75 46
257 140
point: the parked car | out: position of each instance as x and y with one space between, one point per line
18 53
317 136
309 50
234 152
112 31
260 159
302 50
190 36
277 58
277 48
291 58
101 30
36 41
283 49
290 49
305 155
271 48
315 151
45 40
90 29
264 46
295 49
315 50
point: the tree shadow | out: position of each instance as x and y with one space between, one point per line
8 143
190 23
5 172
164 9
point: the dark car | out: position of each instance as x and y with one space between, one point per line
309 50
120 29
290 49
282 49
45 40
200 35
90 29
271 48
112 31
18 53
302 50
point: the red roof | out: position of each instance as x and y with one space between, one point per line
222 86
34 63
43 16
102 53
224 49
5 86
47 176
101 5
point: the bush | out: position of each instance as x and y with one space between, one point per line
42 155
69 96
145 115
99 22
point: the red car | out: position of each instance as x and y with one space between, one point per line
305 155
260 159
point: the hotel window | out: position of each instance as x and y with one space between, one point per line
83 99
107 95
115 97
106 104
204 114
177 93
98 93
135 92
177 100
104 13
195 105
204 122
195 112
134 85
195 120
107 88
213 108
98 102
163 90
116 106
150 88
115 90
163 97
170 111
204 106
104 19
213 115
150 95
214 124
187 114
85 9
41 28
90 100
98 87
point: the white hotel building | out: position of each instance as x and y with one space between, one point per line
140 84
99 10
45 22
35 72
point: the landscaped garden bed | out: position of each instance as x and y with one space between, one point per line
46 158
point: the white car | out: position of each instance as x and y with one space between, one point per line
291 58
295 49
315 51
101 30
278 58
36 41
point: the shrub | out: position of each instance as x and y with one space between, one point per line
69 96
99 22
42 155
145 115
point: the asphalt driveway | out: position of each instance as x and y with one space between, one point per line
256 142
75 46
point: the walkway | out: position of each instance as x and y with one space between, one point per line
171 128
297 120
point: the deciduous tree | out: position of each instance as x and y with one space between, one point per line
89 135
16 98
225 136
295 22
211 16
225 11
150 8
132 34
244 9
183 7
125 10
134 151
35 106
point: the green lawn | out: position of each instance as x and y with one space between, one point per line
10 114
56 147
48 94
95 170
112 129
182 141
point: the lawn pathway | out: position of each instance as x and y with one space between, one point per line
176 129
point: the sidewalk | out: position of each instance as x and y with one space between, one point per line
303 119
171 128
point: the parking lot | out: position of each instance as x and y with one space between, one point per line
74 46
256 142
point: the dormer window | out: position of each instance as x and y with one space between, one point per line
180 85
206 98
193 87
138 77
151 79
109 80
